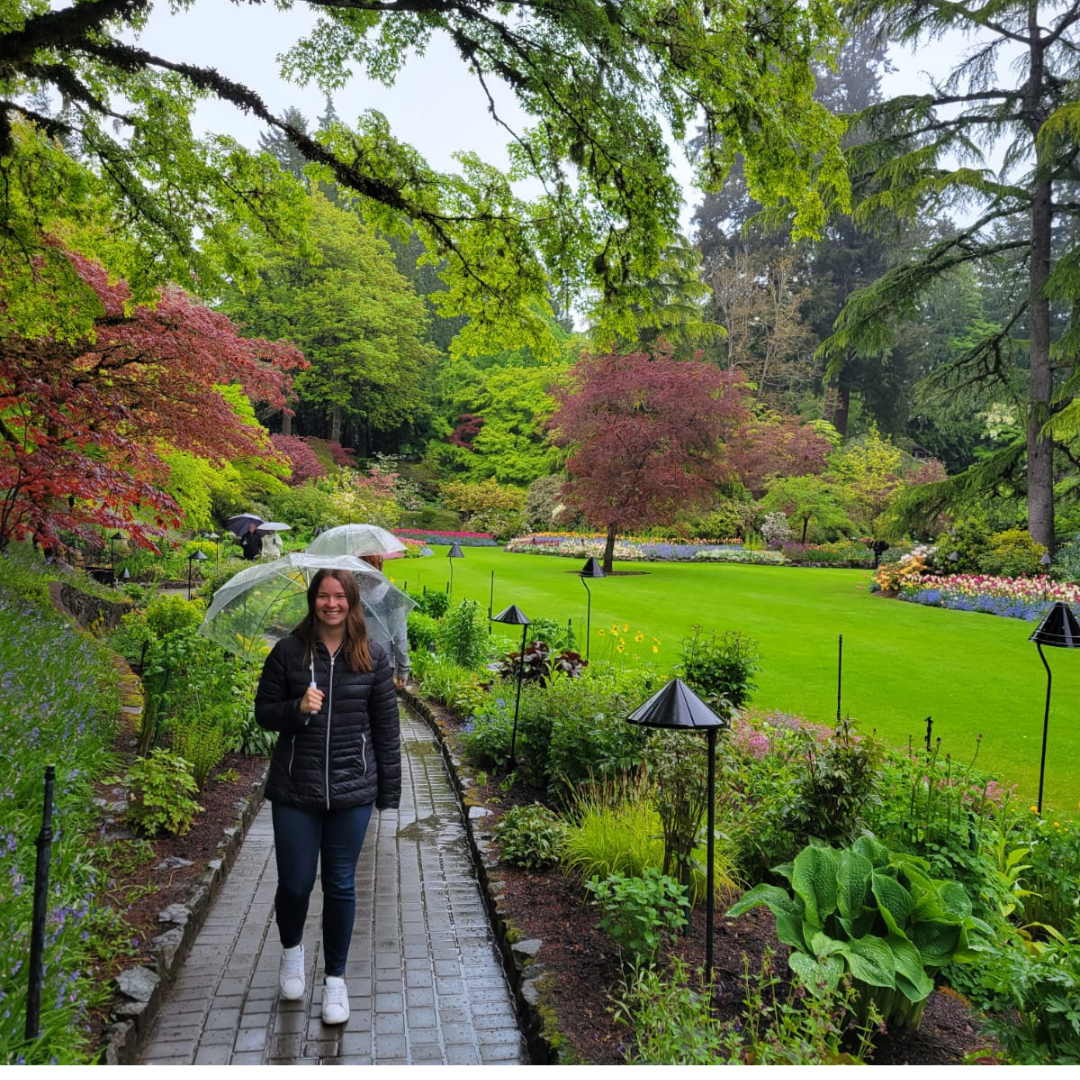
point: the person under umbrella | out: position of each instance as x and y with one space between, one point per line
251 542
328 689
400 643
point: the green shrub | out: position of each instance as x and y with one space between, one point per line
721 666
455 686
463 635
432 602
679 773
969 538
161 787
638 912
305 507
874 914
1034 987
488 735
556 635
1012 553
423 631
168 613
202 741
837 787
130 635
530 836
673 1024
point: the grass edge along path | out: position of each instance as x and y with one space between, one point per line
974 674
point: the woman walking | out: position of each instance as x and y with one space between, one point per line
329 691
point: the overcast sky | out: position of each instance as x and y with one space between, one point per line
435 105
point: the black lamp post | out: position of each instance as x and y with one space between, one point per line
1060 630
217 546
514 616
591 569
194 557
491 601
455 552
112 539
677 707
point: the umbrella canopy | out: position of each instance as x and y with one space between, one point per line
264 602
271 527
238 523
356 540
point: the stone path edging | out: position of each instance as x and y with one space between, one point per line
526 976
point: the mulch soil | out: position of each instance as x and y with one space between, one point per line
551 907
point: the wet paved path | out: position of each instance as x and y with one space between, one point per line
426 983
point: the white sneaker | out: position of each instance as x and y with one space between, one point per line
290 975
335 1001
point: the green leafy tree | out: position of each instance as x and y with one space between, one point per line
355 318
806 499
601 86
866 473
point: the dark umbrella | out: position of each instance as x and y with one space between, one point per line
238 523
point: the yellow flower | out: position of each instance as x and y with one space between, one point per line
626 628
600 632
639 636
655 648
1033 809
614 627
656 641
1057 824
618 648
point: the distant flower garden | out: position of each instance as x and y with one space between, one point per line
438 536
630 549
1014 598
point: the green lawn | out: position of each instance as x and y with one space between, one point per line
974 674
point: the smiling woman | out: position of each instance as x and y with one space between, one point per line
329 690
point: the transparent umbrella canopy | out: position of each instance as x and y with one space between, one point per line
264 603
356 540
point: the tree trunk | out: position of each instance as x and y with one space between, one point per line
1040 448
335 424
841 405
286 423
609 549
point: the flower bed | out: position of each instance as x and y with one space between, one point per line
438 536
1014 598
629 549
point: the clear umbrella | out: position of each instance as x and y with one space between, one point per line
356 540
265 602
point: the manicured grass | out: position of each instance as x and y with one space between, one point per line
974 674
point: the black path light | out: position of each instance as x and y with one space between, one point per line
1060 630
455 552
37 919
194 557
112 539
491 601
591 569
217 545
514 616
678 708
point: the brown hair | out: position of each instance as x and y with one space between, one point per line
373 560
355 647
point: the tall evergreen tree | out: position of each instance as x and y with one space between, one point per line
1012 90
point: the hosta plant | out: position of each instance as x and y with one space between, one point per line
875 914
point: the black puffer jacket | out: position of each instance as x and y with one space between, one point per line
347 754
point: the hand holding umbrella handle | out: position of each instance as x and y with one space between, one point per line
311 702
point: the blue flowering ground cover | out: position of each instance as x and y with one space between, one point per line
58 706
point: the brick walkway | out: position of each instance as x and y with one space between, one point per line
426 983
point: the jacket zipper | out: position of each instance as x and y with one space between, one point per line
329 706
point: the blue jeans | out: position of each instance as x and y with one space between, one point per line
299 840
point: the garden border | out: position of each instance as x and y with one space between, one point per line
529 980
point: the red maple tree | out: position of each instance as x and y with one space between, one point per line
652 436
648 434
82 423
